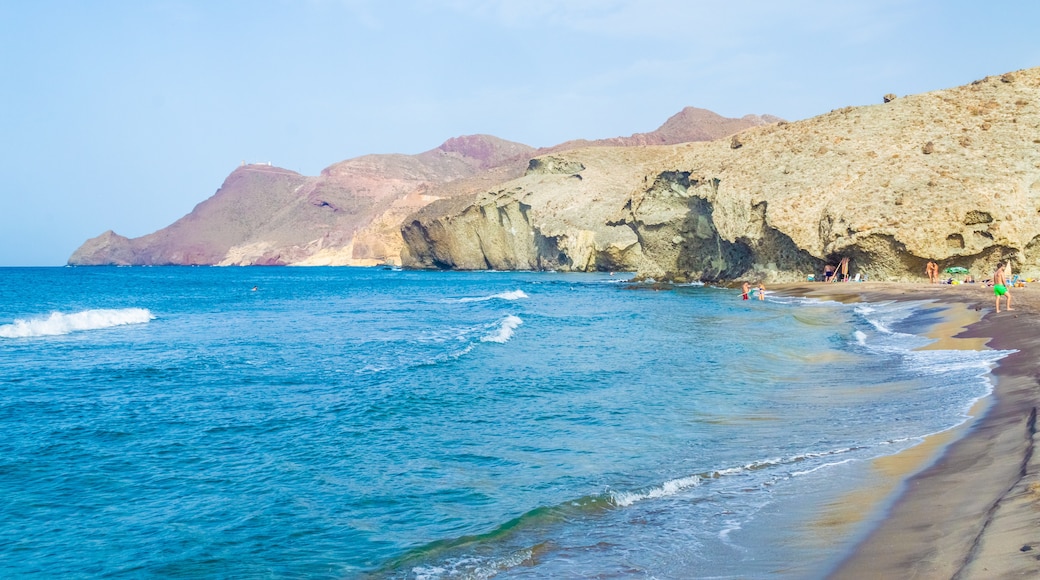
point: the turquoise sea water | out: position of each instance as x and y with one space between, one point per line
355 423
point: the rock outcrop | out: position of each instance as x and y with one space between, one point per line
951 175
352 213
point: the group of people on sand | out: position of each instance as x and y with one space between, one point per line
746 289
931 269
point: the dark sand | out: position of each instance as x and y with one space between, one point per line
971 509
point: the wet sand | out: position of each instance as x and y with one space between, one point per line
971 509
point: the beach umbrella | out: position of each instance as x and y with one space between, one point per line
956 270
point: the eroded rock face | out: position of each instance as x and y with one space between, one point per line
952 175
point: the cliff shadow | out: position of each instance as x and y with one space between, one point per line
775 254
702 253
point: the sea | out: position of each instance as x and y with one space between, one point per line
278 422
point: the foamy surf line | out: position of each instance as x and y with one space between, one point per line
59 323
513 295
966 367
675 486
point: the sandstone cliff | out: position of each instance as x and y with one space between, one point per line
952 175
352 213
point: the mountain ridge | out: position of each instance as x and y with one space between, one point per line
351 213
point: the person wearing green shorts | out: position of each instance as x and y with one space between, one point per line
1000 286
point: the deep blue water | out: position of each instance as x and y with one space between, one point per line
347 422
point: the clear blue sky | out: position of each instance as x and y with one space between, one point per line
123 115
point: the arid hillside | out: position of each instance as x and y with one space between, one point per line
952 175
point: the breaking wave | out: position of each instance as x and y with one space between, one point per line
504 331
475 556
513 295
676 486
59 323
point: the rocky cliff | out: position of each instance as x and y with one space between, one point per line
352 213
951 175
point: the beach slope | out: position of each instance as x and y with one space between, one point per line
975 511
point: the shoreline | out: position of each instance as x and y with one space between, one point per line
974 510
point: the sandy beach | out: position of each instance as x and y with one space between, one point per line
971 509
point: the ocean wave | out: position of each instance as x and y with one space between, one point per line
668 488
473 566
676 486
883 315
819 467
944 362
504 330
473 556
443 346
59 323
513 295
801 300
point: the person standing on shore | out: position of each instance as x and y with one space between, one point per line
1000 286
932 271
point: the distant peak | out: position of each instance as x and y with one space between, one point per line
487 149
265 167
691 114
693 124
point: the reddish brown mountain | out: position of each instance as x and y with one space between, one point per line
689 124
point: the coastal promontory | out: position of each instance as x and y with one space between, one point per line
951 175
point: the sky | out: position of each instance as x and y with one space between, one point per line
123 115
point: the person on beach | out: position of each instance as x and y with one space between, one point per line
761 291
828 273
1000 286
746 289
932 271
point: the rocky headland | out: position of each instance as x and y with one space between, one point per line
351 214
951 175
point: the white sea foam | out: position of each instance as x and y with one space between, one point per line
513 295
668 488
883 315
800 300
504 330
819 467
60 323
675 486
477 567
